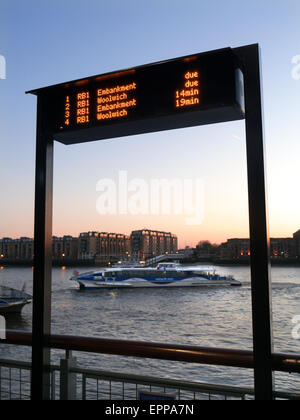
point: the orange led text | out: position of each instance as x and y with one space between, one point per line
115 102
189 95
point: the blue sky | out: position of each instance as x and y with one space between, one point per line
46 42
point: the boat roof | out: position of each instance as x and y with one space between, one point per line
9 293
176 267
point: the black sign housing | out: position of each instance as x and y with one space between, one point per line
188 91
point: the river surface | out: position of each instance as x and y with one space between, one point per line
212 317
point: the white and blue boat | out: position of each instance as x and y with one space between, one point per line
13 301
164 275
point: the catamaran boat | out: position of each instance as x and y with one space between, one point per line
164 275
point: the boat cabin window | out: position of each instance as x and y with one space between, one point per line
167 265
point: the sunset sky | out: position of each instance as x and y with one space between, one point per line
51 41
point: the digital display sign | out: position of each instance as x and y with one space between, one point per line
187 91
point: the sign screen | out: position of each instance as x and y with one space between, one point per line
192 90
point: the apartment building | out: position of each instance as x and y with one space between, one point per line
282 247
16 249
103 245
147 243
296 238
240 248
65 247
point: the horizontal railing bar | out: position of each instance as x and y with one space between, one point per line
19 364
162 382
15 364
287 395
181 353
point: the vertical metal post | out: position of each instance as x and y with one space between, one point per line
68 378
259 235
40 379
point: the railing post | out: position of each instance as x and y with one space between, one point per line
68 378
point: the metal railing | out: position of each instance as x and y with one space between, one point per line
14 380
91 384
166 257
69 381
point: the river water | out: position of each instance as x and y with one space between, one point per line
212 317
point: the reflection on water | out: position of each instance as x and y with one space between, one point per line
17 322
213 317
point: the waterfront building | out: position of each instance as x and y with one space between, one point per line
235 249
148 243
25 249
113 246
103 246
296 238
65 247
16 249
282 248
240 248
7 248
87 245
141 244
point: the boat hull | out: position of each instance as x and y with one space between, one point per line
12 308
137 283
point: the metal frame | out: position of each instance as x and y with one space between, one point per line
41 322
258 219
259 239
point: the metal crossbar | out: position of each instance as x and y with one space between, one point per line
121 386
